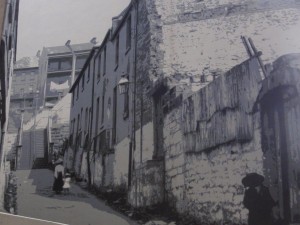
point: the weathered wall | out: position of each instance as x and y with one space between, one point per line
174 160
280 137
146 189
211 141
121 163
197 36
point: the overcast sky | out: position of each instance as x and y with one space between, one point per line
44 23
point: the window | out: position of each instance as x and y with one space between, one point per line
94 68
80 61
53 65
88 75
104 61
126 105
82 82
117 51
114 130
102 109
128 33
96 126
97 115
59 64
99 67
78 121
86 119
81 118
10 13
66 64
77 92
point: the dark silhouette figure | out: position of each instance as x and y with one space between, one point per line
58 176
258 200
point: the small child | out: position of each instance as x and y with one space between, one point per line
67 181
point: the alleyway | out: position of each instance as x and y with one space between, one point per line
36 199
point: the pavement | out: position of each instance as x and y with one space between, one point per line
36 199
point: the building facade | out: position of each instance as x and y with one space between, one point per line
8 29
55 68
23 92
180 135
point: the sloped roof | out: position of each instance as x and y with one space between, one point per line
64 49
27 62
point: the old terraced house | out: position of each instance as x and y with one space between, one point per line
196 114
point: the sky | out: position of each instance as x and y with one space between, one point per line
46 23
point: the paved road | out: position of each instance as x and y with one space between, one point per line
36 199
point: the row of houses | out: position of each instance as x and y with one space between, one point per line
172 106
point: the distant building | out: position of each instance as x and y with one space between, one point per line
23 93
44 108
55 68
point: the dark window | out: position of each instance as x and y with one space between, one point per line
77 92
128 33
94 67
81 118
78 122
59 64
53 65
66 64
114 131
126 105
104 61
117 51
99 67
96 126
82 82
10 13
86 119
102 109
74 122
80 61
89 71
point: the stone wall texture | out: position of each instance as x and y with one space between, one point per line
146 189
211 141
195 36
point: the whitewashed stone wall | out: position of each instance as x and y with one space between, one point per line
195 36
121 163
205 158
147 182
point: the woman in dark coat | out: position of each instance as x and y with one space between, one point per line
258 200
58 176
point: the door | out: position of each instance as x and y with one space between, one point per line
280 117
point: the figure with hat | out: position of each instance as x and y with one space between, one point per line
257 200
58 176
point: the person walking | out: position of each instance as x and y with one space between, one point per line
58 176
257 200
67 185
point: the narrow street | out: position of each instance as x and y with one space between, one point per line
36 199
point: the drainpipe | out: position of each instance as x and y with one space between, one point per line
134 95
